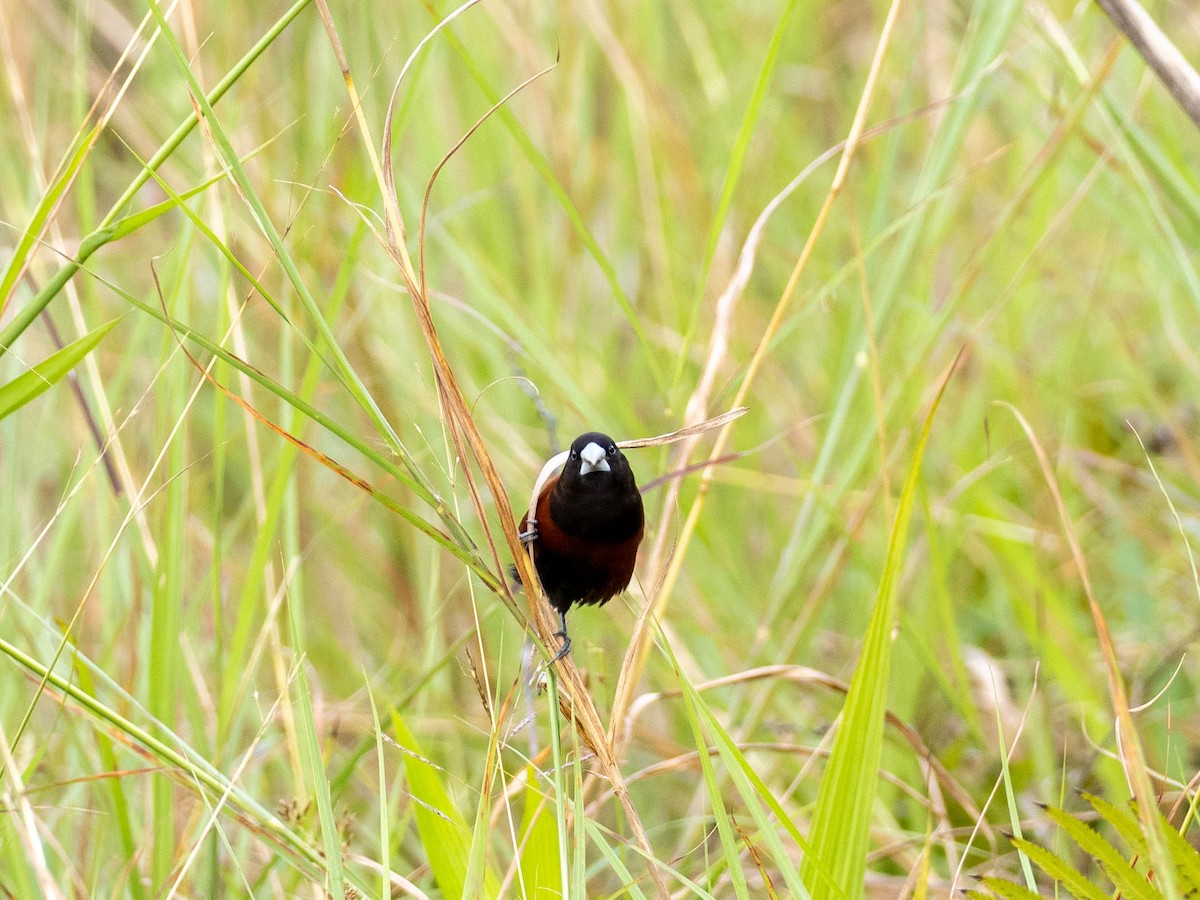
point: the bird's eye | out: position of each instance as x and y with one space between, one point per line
574 454
612 450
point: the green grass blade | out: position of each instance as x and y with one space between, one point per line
579 860
750 786
478 872
316 779
1005 890
385 835
127 225
177 757
1124 822
104 232
165 657
629 886
341 365
121 812
444 832
462 552
720 815
538 838
28 385
1010 795
733 173
753 790
988 33
598 835
41 217
1183 195
1187 860
560 788
541 165
1127 880
1061 871
841 820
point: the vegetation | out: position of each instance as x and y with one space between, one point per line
916 622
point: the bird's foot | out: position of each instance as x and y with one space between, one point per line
530 534
563 650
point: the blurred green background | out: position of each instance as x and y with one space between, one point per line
1026 193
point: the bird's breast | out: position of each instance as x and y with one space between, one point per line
605 517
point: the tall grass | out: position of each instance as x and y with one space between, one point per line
256 635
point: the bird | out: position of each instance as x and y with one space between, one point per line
588 522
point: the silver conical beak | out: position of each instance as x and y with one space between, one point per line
593 458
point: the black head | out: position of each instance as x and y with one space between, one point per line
595 462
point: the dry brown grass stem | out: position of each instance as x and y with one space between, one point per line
807 675
574 700
1129 744
665 567
688 433
1171 66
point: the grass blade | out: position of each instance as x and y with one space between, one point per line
385 836
1005 890
104 232
317 781
444 832
1061 871
48 372
540 858
842 817
733 173
719 813
18 262
1127 880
